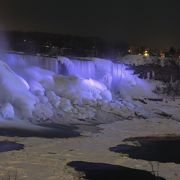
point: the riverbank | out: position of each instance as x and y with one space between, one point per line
45 158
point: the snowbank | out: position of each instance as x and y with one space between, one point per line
136 60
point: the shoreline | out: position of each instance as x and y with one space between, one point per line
55 153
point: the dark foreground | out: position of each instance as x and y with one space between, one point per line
101 171
49 131
10 146
161 149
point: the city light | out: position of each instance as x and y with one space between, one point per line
146 53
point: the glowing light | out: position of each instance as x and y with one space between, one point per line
146 53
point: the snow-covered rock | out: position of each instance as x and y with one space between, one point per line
7 111
66 105
43 111
75 88
36 88
53 98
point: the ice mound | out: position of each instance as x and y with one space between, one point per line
75 88
42 94
14 90
80 90
117 77
7 111
131 86
36 76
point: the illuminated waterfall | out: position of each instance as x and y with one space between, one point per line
105 71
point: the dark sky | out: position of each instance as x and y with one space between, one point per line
154 23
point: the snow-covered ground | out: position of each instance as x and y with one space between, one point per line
47 158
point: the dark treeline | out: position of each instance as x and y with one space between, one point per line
58 44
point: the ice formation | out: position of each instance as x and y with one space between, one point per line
44 88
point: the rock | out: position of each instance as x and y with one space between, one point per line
43 99
82 116
106 95
82 109
77 102
66 105
44 111
106 107
53 98
36 88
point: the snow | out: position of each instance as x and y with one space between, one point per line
134 88
136 60
73 88
7 111
15 91
43 111
36 88
42 94
53 98
66 105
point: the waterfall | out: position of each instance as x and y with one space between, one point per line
15 60
95 69
105 71
83 69
115 76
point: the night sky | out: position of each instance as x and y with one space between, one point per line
154 23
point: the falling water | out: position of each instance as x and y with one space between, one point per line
95 69
15 60
84 69
101 70
115 76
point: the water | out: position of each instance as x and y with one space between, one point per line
101 171
162 149
49 131
10 146
84 69
16 61
95 69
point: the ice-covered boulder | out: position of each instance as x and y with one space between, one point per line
36 76
43 111
7 111
14 90
75 88
36 88
66 105
53 98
